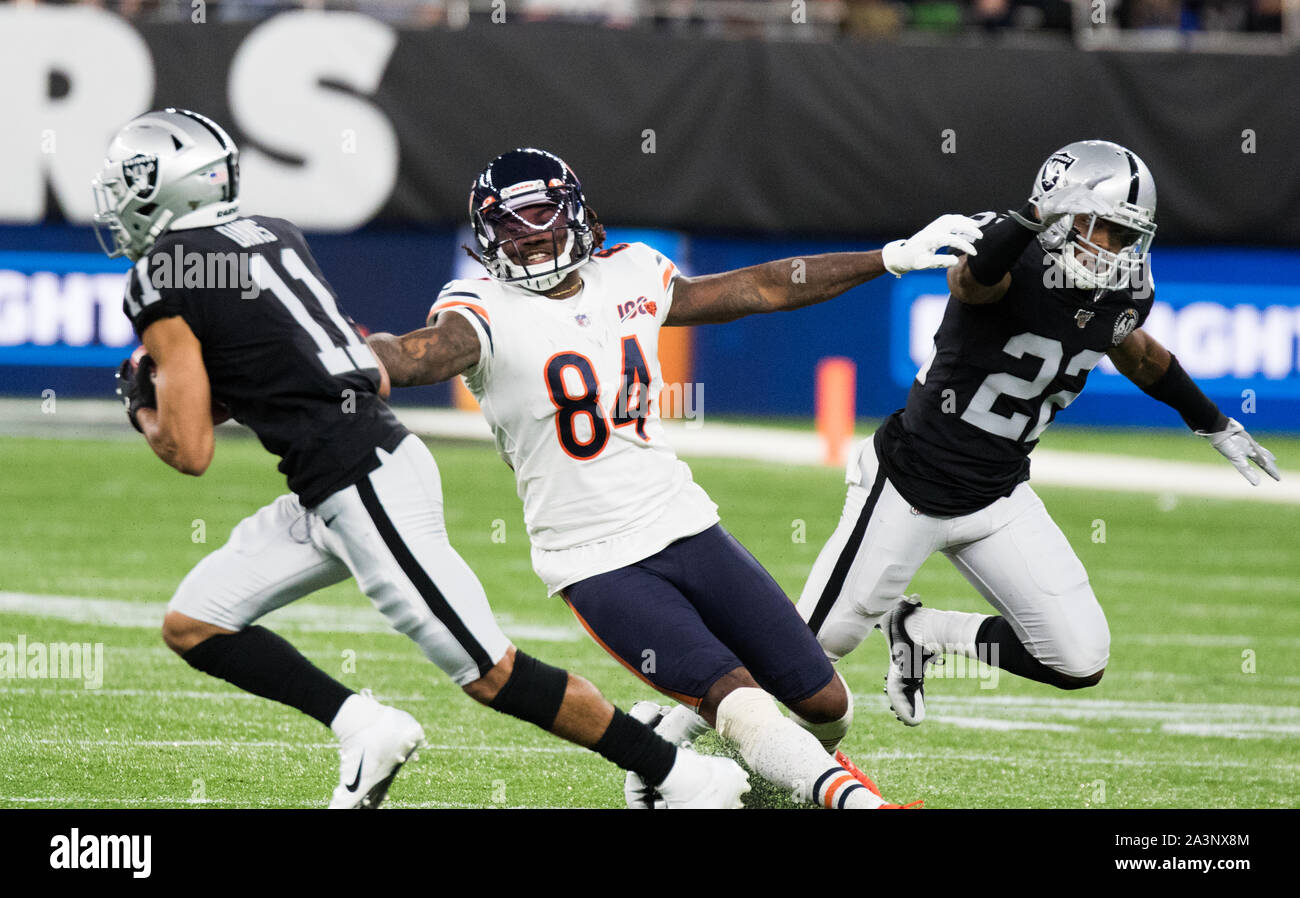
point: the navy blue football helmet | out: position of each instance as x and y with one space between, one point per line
539 250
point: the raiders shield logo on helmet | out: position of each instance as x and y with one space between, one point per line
1124 326
1056 165
141 173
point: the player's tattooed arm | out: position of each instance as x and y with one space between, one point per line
429 355
770 287
179 430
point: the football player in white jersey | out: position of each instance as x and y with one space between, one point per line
560 347
366 495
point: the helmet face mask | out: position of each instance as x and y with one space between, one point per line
168 170
1112 264
1089 262
530 220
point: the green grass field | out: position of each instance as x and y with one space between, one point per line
1198 708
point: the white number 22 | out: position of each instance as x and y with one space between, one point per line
980 410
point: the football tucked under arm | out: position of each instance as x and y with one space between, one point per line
135 387
428 355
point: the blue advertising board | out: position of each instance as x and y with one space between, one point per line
1232 316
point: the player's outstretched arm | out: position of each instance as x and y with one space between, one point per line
428 355
1142 359
795 283
179 430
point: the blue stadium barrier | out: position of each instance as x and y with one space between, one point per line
1231 315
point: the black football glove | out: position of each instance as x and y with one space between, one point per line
135 385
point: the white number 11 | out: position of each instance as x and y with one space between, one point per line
355 355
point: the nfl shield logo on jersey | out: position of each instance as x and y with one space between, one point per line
1082 317
141 173
582 320
1124 326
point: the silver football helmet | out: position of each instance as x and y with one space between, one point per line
1132 190
165 171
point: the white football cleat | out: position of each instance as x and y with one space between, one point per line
371 757
636 793
908 659
699 781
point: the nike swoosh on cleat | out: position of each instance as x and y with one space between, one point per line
356 782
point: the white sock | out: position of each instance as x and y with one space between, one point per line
356 713
830 734
945 632
681 724
777 749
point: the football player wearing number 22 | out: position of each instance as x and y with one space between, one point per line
1056 285
559 346
366 497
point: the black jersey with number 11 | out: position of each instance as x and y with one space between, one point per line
278 350
996 378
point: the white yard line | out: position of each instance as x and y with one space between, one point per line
1051 467
713 439
1037 758
1225 720
231 745
300 617
997 724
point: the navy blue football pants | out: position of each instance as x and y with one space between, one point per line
686 616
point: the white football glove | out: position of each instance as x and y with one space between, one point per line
1074 198
1240 448
921 249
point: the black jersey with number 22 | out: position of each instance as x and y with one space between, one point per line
278 350
996 378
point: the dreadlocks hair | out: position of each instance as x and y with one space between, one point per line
593 222
597 229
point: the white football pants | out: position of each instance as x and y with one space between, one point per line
388 532
1011 551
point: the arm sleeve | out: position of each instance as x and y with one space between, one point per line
1004 239
1178 391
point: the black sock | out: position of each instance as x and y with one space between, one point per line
998 646
632 745
258 661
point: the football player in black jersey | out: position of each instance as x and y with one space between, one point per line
234 310
1054 287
